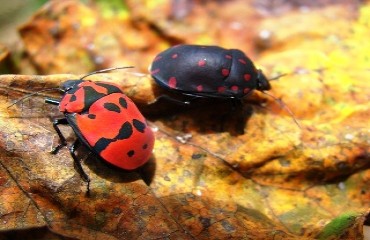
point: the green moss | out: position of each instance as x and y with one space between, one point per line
338 226
113 8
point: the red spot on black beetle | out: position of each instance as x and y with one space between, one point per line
246 90
157 58
247 77
209 72
172 82
225 72
199 88
155 71
221 89
242 61
202 63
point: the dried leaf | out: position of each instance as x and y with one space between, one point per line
206 180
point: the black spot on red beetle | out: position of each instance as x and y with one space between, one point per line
73 98
145 146
122 102
112 107
102 144
125 131
140 126
172 82
91 96
110 88
131 153
91 116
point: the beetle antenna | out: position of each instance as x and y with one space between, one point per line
297 71
277 77
105 70
284 106
53 89
33 94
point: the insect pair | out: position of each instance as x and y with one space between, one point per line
108 123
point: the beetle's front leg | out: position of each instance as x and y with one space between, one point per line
63 141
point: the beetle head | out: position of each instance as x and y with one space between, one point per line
69 84
263 83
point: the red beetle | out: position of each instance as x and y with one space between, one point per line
106 121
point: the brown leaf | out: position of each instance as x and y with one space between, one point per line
71 37
206 179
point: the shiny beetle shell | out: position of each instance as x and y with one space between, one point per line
207 71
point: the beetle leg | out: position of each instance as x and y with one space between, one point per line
63 141
77 163
192 97
171 99
52 101
236 104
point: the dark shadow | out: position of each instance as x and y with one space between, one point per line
367 220
115 174
32 233
206 115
